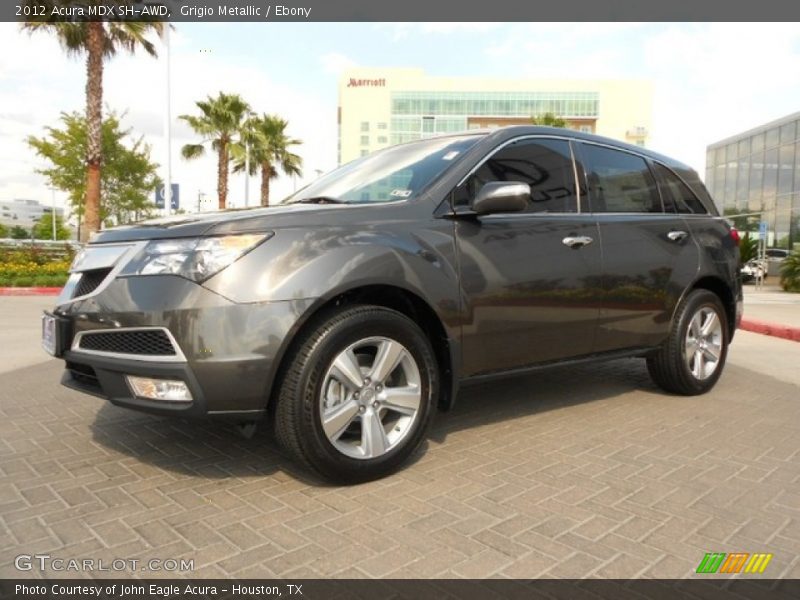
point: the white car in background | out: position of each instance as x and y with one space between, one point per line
753 269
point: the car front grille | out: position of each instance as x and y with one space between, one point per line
143 342
90 281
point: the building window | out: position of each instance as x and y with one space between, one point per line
640 143
773 137
788 133
364 152
382 125
365 140
585 129
382 139
364 126
573 104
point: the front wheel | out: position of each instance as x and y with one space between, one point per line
691 360
358 394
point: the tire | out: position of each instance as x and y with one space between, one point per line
689 373
327 421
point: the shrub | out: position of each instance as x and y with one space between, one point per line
748 248
790 272
25 281
20 269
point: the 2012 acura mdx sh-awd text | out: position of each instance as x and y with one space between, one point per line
348 314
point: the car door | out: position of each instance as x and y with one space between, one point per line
649 255
527 277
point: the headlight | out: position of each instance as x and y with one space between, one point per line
193 258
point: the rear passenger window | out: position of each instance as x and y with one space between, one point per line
619 181
545 165
677 196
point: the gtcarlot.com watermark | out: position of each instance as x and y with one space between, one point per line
46 562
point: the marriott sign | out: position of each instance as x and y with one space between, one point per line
366 82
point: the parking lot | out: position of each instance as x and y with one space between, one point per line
574 472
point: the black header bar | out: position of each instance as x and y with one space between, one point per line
254 11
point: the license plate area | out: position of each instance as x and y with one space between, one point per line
50 334
55 333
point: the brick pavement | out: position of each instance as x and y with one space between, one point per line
587 471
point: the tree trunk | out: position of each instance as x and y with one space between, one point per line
222 174
266 175
94 127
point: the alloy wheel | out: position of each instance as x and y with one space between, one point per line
370 397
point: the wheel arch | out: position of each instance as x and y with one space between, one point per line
719 288
393 297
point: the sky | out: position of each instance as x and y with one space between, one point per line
711 81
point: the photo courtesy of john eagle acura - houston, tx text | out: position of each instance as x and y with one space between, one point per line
346 316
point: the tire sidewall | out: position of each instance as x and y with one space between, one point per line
375 323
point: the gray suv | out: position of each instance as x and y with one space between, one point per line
348 314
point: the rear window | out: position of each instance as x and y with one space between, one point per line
677 196
619 182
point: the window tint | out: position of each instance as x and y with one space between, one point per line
619 182
676 195
545 165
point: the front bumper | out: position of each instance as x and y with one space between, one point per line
228 353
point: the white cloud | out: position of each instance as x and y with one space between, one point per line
716 80
448 28
335 62
711 80
402 31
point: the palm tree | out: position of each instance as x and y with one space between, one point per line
269 151
220 125
98 41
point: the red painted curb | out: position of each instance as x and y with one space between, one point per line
773 329
30 291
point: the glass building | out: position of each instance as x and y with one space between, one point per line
756 174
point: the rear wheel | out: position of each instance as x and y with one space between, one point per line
358 394
691 360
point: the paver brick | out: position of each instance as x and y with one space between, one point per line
596 475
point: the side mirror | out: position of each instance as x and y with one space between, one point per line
501 196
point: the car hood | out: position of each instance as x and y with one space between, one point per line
229 221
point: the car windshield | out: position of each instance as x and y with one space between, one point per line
396 173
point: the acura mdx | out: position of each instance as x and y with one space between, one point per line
348 314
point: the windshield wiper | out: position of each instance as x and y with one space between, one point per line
320 200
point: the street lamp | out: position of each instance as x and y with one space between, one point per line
53 215
167 124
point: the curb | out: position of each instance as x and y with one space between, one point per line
773 329
30 291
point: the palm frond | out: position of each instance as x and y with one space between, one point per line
71 36
192 151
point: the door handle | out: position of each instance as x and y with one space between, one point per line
677 236
577 241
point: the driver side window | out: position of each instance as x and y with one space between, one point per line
545 165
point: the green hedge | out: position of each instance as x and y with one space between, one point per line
35 281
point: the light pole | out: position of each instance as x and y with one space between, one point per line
53 204
167 124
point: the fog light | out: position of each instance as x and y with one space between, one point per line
159 389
